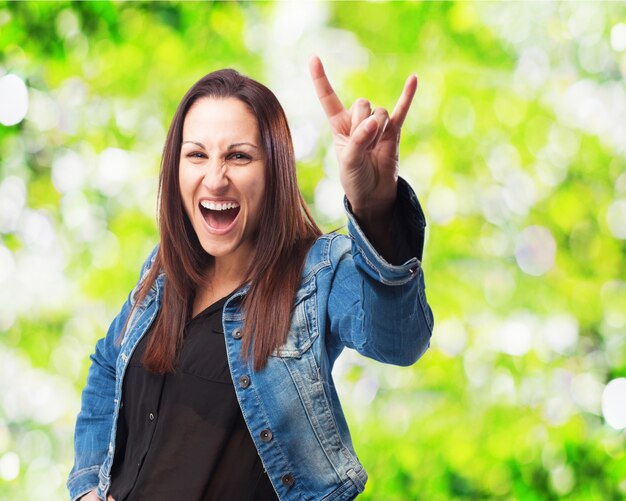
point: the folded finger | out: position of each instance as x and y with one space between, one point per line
381 115
361 110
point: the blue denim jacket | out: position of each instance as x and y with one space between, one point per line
349 297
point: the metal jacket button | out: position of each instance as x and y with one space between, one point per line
266 435
237 333
244 381
288 480
151 416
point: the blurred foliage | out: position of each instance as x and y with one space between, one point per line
516 145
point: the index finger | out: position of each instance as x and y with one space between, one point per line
404 103
328 99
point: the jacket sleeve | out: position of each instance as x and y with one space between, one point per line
375 307
95 419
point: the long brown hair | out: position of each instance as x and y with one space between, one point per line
286 232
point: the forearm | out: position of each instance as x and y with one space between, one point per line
377 228
93 426
378 305
397 232
377 308
95 419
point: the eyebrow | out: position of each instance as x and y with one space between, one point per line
236 145
196 143
230 147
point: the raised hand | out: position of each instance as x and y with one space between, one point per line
367 144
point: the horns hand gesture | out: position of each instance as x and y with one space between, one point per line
367 143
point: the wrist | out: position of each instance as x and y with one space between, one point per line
375 222
376 214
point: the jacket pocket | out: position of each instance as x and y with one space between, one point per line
304 325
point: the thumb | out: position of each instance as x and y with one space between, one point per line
359 142
365 133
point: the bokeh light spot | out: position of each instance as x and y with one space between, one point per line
533 67
7 264
451 336
13 100
614 403
498 286
36 229
515 336
562 479
586 390
494 206
442 204
44 113
561 333
618 37
586 23
68 171
67 23
9 466
535 250
328 199
503 160
114 168
616 218
365 390
12 201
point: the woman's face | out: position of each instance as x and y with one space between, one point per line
222 178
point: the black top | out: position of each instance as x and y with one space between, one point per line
182 435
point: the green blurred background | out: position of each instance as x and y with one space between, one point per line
516 145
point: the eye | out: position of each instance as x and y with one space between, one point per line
196 154
239 157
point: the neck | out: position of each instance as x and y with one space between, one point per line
221 279
227 270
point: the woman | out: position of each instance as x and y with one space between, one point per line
214 381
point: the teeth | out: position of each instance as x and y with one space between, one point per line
218 205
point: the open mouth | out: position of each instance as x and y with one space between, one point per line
219 215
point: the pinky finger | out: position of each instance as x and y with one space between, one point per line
404 103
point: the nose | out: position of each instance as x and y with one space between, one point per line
215 177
